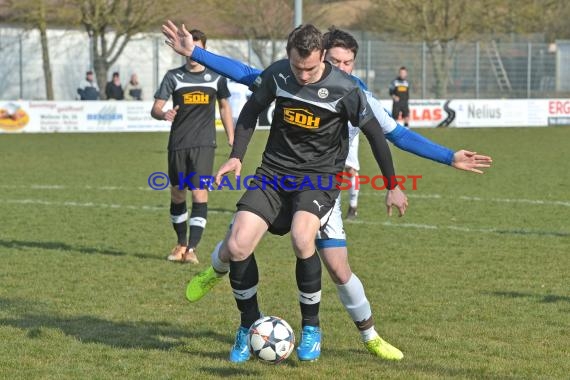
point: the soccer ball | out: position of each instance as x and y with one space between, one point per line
271 339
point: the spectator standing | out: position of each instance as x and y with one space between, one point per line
88 89
133 89
114 90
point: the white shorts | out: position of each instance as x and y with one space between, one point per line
352 158
334 229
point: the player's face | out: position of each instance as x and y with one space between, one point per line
341 58
403 74
190 62
309 69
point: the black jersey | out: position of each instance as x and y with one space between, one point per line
195 94
309 131
401 88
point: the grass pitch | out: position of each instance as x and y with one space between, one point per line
472 283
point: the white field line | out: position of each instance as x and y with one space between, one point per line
386 224
544 202
492 230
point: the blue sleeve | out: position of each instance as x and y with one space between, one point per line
228 67
415 143
359 82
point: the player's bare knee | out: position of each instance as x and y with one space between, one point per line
238 248
303 244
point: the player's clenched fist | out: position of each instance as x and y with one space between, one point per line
171 114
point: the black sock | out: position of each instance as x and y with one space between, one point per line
308 273
198 219
179 218
406 124
243 279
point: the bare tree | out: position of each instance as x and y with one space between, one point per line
35 14
263 22
439 23
111 24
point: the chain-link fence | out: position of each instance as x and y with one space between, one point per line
465 70
471 70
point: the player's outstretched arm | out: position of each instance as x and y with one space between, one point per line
180 40
412 142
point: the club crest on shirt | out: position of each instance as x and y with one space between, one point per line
323 93
207 77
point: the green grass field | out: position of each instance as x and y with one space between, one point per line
474 282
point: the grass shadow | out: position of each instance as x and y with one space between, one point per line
128 335
58 246
543 298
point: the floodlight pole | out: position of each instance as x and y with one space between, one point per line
298 13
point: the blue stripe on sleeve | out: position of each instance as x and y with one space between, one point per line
227 67
415 143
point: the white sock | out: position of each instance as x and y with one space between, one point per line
356 304
219 266
369 334
353 193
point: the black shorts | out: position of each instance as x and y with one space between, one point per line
277 205
402 107
184 162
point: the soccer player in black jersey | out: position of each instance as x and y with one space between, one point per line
194 90
400 93
308 139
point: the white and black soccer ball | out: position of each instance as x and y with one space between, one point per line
271 339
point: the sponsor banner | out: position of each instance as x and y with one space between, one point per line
558 111
426 113
127 116
78 116
498 113
510 112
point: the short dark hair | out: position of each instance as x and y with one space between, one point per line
339 38
198 35
403 68
306 39
116 74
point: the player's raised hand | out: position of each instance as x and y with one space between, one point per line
231 165
179 39
396 198
171 114
470 161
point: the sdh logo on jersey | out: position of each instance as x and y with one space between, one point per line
196 97
301 118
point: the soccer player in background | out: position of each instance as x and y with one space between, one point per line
400 93
341 50
194 90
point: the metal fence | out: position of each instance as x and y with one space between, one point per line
474 70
